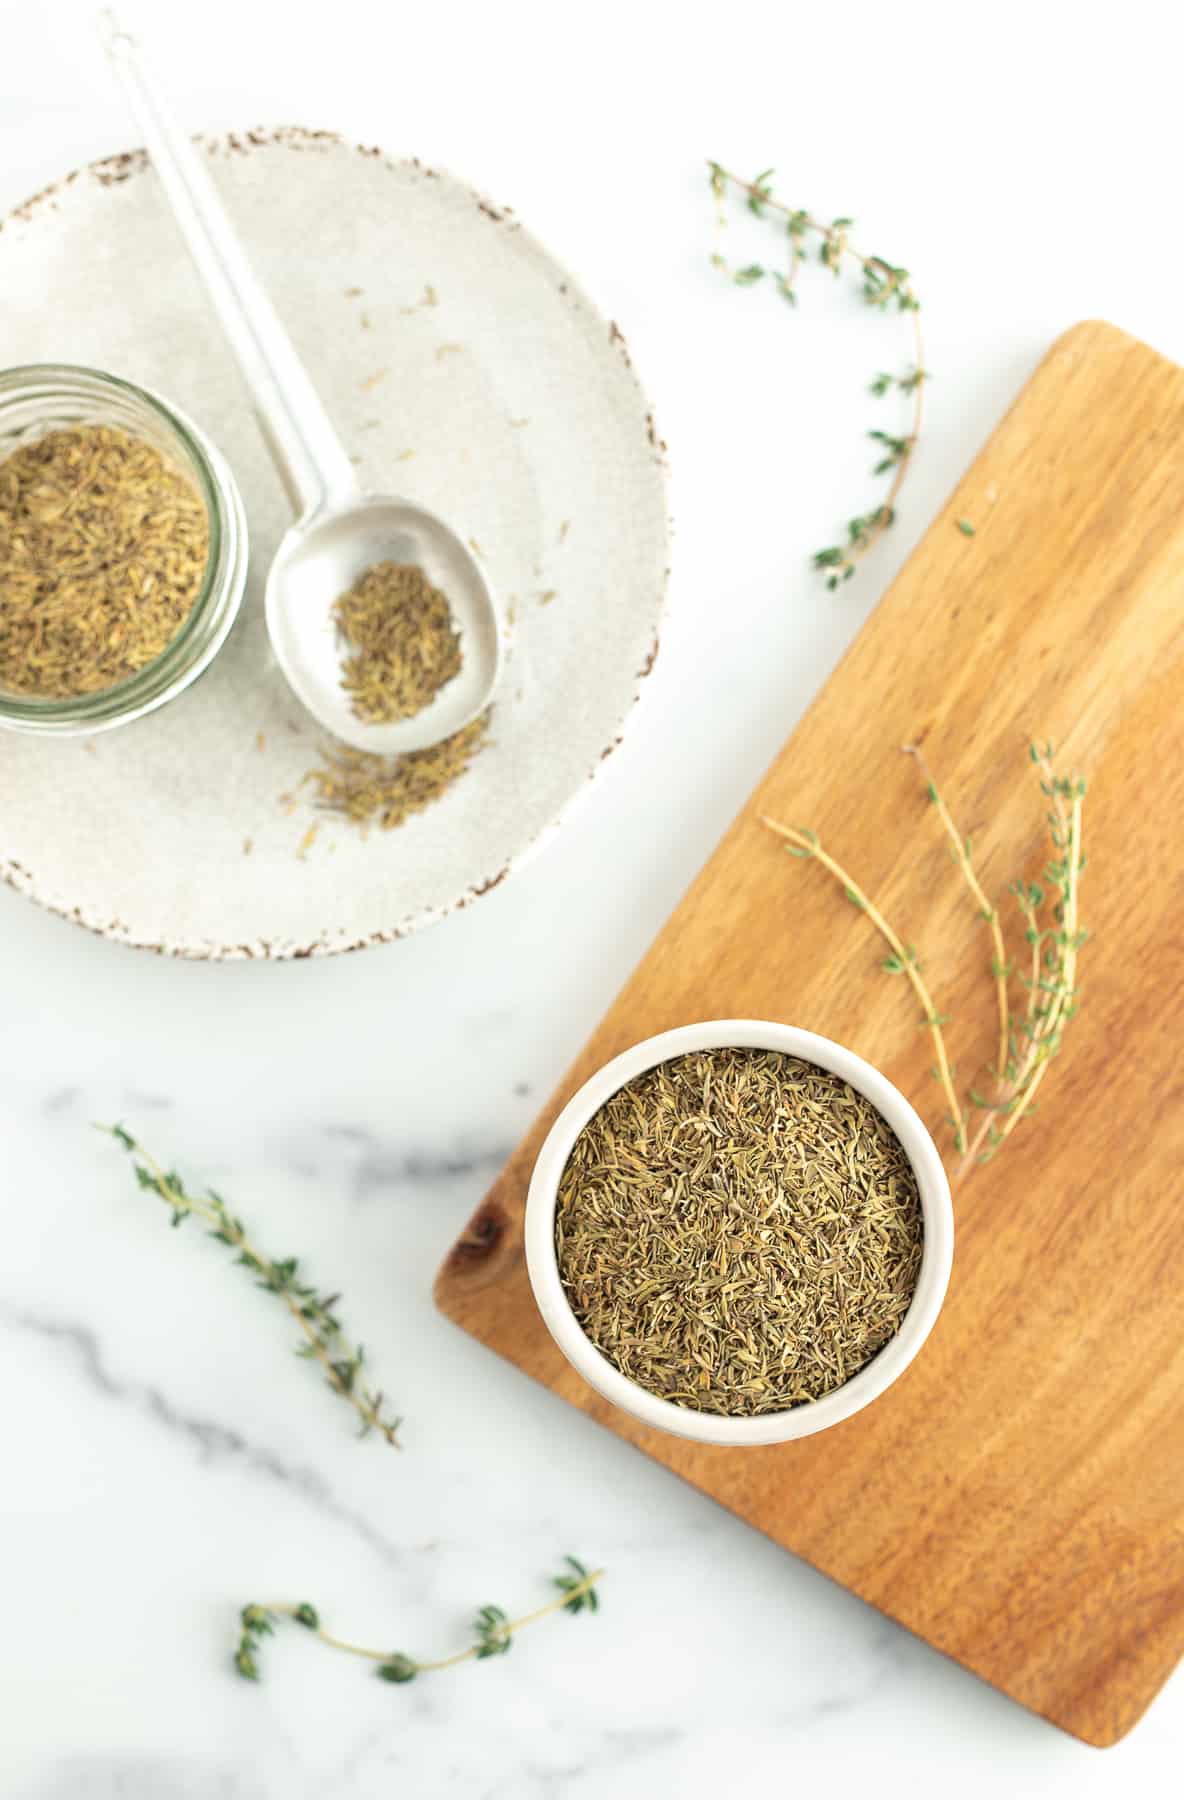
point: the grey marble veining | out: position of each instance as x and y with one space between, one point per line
210 1441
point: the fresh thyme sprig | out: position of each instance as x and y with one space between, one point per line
324 1342
493 1631
1001 969
903 960
883 285
1027 1040
1051 983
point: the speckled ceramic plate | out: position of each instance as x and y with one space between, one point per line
465 369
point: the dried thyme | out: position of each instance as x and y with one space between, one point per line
404 645
103 549
386 790
738 1231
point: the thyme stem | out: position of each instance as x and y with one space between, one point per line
1028 1041
493 1630
324 1340
1044 1028
559 1604
905 957
883 282
999 964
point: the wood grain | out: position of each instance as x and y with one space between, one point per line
1016 1498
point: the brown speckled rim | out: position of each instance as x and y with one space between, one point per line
108 172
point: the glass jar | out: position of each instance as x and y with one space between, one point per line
47 396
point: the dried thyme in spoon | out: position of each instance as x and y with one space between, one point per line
404 645
738 1231
103 549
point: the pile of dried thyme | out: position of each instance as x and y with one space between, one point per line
738 1231
386 790
103 549
404 645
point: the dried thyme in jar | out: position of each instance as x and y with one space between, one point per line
738 1231
103 550
403 643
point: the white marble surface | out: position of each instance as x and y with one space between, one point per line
164 1457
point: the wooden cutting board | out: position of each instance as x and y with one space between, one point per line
1017 1498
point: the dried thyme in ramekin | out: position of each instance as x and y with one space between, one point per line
738 1231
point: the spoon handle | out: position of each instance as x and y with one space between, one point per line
300 436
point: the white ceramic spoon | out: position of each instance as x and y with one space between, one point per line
339 531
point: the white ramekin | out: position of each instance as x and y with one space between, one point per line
682 1421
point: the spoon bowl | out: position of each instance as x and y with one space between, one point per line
320 558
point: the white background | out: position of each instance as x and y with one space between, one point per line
163 1459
